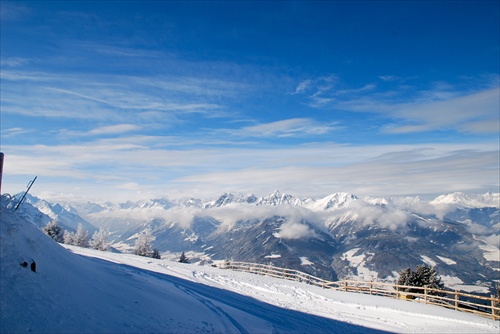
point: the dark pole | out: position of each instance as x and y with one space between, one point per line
1 171
29 187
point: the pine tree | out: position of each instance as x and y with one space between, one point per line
54 231
156 254
69 237
183 258
99 240
428 277
408 277
422 276
143 246
81 236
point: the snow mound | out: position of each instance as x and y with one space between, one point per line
102 292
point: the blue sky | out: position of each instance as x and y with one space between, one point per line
127 100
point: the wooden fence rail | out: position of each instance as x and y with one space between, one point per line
454 299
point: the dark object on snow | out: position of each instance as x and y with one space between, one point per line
156 254
24 264
183 258
33 266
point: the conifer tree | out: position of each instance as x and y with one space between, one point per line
99 240
143 244
54 231
428 277
81 237
69 237
422 276
183 258
156 254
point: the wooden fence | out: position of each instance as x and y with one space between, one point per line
454 299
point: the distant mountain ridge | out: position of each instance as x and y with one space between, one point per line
337 236
469 200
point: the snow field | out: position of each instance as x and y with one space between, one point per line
375 312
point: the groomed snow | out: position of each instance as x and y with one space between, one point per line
82 290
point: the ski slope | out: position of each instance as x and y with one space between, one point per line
77 290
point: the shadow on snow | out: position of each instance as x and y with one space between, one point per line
281 319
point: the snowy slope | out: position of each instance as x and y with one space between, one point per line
106 292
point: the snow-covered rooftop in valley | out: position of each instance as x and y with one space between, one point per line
83 290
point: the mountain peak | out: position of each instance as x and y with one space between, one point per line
334 201
278 198
469 200
228 198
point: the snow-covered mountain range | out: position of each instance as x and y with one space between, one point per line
81 290
335 237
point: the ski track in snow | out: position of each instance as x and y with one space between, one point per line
379 312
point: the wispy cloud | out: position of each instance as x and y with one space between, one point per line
389 77
103 96
304 170
302 86
287 128
362 170
13 132
13 61
114 129
442 107
12 11
462 113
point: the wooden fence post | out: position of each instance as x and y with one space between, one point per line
456 300
371 283
425 294
345 284
492 307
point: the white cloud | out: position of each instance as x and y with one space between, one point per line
294 230
128 186
373 215
159 164
486 126
113 97
389 77
362 171
442 107
345 92
464 112
12 132
286 128
493 240
302 86
114 129
13 61
314 169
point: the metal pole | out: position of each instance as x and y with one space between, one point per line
29 187
1 171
